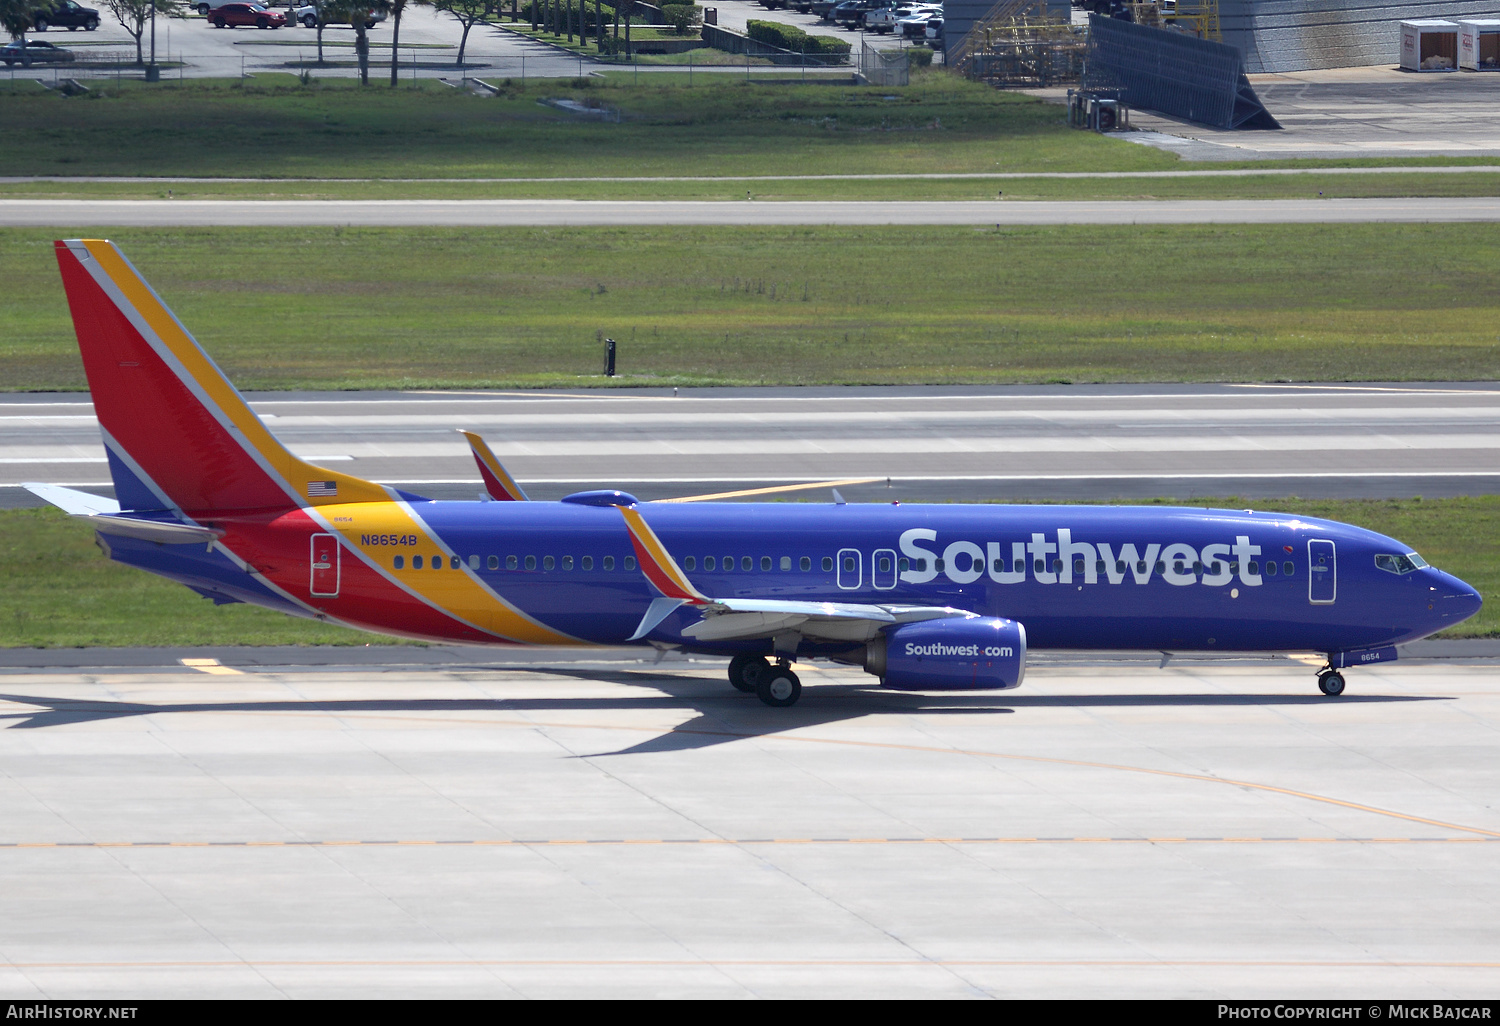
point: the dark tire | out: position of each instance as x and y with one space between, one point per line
1331 684
745 669
40 25
369 25
262 23
218 23
779 688
308 21
93 23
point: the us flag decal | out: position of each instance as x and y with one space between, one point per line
322 489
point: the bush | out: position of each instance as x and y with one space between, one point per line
919 57
606 13
788 37
683 17
828 45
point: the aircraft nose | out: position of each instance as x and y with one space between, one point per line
1455 599
1463 604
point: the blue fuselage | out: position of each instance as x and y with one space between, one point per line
1084 577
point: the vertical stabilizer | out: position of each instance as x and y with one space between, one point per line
178 435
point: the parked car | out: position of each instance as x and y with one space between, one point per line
66 15
934 33
914 26
886 19
248 15
307 15
851 13
27 52
823 8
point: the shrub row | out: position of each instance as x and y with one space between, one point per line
558 7
790 37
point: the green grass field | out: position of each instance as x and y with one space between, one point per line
401 308
304 138
334 129
58 590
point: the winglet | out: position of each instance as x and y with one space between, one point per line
657 563
497 481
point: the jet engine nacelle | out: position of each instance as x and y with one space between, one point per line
981 653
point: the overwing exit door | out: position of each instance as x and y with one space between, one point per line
1323 574
325 565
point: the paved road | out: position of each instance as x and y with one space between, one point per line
78 213
73 213
621 830
931 443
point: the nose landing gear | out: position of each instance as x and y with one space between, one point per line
1330 682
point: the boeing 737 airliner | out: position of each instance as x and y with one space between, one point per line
925 597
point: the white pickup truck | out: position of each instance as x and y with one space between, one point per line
885 19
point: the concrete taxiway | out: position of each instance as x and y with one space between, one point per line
601 827
900 443
80 213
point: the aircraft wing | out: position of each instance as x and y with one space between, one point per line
734 619
747 619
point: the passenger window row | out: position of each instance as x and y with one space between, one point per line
804 563
512 562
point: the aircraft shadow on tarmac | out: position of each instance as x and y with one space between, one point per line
722 714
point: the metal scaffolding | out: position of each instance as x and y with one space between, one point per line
1013 45
1200 17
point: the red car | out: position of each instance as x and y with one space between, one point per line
235 15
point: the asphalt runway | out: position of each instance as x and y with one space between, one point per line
88 213
909 444
546 828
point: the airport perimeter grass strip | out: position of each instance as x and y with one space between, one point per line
394 308
275 126
1336 183
671 123
57 590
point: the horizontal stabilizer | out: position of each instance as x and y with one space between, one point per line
69 500
163 532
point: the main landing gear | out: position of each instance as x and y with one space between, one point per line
776 685
1330 682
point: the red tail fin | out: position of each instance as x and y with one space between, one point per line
178 434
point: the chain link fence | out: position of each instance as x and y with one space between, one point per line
883 67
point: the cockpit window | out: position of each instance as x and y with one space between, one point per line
1393 564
